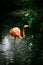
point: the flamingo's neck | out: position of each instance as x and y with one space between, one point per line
23 34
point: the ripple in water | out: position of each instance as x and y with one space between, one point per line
10 53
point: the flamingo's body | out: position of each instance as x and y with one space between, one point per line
15 32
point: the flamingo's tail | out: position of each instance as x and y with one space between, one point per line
8 34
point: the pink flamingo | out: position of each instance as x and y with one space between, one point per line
15 32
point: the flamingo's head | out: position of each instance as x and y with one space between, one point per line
26 26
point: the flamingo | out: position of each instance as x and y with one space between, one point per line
15 32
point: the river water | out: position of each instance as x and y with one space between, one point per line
21 54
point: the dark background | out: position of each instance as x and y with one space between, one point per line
35 19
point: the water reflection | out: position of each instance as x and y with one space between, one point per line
18 55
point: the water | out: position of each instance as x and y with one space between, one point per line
9 54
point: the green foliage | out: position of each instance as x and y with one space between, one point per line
42 25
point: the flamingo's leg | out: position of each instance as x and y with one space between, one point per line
15 42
